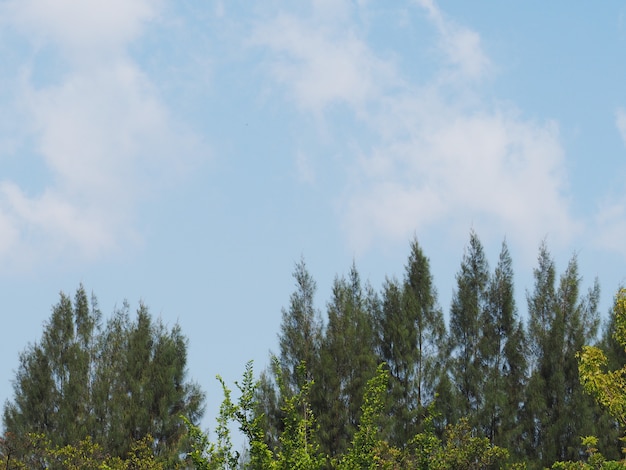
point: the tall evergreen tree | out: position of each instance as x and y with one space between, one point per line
52 385
579 317
560 323
301 330
541 313
116 384
466 328
299 342
503 353
410 329
347 362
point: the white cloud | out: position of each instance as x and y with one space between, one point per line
101 132
436 159
88 26
322 64
620 122
460 46
487 167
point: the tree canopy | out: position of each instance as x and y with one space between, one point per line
379 381
115 382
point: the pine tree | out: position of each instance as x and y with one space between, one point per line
503 353
541 311
466 322
560 323
301 330
410 330
299 343
52 384
116 384
146 383
347 362
579 317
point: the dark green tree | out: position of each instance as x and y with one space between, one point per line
116 384
301 330
542 361
347 362
53 384
466 329
299 342
410 330
502 348
556 411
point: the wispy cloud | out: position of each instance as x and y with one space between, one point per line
460 46
433 157
321 64
101 131
88 28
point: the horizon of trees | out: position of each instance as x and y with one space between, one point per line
381 366
516 382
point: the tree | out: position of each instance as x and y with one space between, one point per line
541 309
366 440
410 329
299 342
116 384
299 447
300 331
52 386
609 428
466 328
502 349
608 386
347 362
560 323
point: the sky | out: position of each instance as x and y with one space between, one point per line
188 153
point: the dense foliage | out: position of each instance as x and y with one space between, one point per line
379 381
514 384
114 383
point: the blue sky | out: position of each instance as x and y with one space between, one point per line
188 153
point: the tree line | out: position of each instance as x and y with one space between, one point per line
516 382
382 381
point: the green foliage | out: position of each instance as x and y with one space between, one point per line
503 354
347 362
92 395
299 341
116 383
466 322
607 386
462 450
410 329
299 448
86 454
300 331
362 453
561 322
595 460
